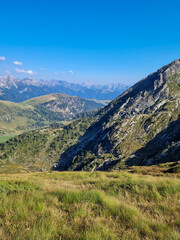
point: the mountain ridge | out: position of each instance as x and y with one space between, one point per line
19 90
129 122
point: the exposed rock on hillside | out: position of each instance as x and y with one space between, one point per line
137 119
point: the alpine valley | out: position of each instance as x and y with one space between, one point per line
140 127
43 111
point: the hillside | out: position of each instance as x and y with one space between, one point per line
42 111
63 107
140 127
15 117
19 90
41 148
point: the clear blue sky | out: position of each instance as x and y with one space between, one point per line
88 40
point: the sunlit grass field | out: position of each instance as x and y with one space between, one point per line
4 138
92 206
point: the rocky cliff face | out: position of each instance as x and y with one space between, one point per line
68 107
140 118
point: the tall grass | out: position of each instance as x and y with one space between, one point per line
89 206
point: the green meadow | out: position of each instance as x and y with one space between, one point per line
4 138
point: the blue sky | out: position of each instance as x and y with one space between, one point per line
86 40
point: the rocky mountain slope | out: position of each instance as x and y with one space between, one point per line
41 111
140 127
164 147
16 90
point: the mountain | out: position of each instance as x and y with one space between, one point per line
16 90
140 127
42 111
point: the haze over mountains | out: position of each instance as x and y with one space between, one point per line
140 127
18 90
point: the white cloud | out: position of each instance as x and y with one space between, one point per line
2 58
18 63
71 72
63 72
42 69
55 73
25 71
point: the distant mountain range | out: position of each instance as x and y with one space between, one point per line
18 90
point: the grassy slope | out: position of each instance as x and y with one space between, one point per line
18 117
99 205
11 117
57 96
4 138
42 99
41 148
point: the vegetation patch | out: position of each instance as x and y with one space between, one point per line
16 186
